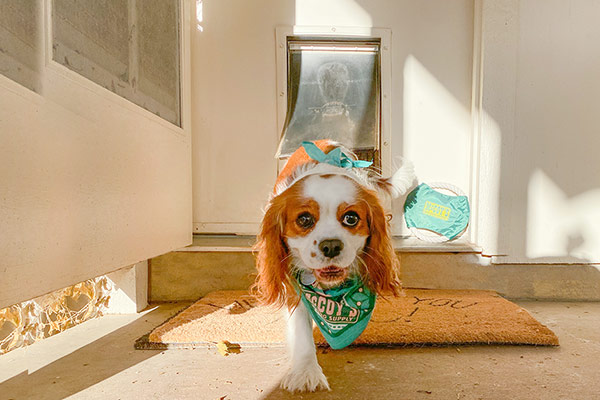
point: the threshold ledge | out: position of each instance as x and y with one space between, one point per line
243 244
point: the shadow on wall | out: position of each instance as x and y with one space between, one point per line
539 181
549 183
539 178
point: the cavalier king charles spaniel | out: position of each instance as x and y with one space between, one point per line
324 223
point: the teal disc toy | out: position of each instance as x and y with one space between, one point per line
431 210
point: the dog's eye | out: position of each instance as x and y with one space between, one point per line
350 219
305 220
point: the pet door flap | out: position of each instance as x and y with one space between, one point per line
333 93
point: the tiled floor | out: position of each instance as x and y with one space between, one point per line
96 360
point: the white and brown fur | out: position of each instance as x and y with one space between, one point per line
344 206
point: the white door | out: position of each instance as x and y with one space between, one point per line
95 144
240 95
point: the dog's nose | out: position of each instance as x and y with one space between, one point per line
331 247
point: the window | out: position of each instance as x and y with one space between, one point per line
130 47
20 45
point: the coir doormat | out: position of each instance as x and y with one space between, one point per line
419 317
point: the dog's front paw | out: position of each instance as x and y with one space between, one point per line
306 379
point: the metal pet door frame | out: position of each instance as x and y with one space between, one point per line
343 36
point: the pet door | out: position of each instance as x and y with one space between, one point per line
333 89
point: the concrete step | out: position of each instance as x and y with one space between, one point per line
227 263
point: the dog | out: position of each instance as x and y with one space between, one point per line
324 223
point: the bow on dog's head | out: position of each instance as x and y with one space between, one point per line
324 222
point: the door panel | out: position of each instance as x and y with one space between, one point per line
90 182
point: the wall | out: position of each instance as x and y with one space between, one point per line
528 162
235 100
540 174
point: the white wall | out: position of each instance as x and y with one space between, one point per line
534 178
540 172
234 95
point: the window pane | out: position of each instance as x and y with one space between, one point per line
20 53
158 56
130 47
333 93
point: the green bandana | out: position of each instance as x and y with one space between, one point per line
341 313
426 208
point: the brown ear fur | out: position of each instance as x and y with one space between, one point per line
273 284
381 262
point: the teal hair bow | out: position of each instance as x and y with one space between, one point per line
335 157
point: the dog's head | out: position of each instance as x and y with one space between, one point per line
330 225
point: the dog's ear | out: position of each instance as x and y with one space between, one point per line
381 263
273 283
399 183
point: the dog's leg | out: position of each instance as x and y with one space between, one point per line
305 373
